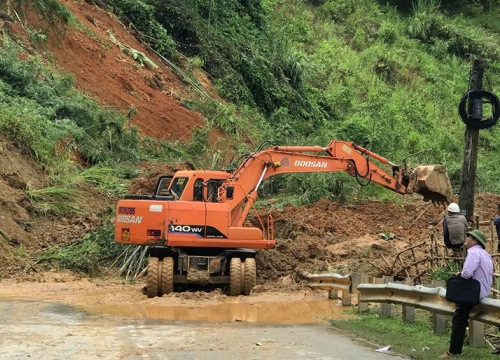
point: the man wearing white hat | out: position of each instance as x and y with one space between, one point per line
454 227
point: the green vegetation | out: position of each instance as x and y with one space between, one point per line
54 200
415 340
140 16
48 119
387 75
90 255
41 109
446 271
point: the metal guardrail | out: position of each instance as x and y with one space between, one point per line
431 299
329 281
333 283
410 297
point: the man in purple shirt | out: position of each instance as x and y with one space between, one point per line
479 266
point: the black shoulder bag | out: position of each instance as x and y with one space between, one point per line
463 291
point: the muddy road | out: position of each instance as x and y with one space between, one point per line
82 319
52 331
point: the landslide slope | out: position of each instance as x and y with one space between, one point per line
92 54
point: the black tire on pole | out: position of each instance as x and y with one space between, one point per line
152 282
479 123
235 277
249 276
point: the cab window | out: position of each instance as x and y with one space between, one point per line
162 188
213 189
178 185
198 190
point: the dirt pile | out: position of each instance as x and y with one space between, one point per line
24 233
364 237
103 70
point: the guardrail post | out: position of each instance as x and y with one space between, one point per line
333 294
346 294
408 311
438 320
476 333
346 298
385 309
357 279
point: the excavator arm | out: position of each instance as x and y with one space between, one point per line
240 189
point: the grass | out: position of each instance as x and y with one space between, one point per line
104 178
90 255
415 340
54 200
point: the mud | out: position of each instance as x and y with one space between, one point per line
280 312
48 331
292 306
114 296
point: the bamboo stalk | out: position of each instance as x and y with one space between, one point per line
128 260
419 216
140 262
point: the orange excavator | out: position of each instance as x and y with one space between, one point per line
195 222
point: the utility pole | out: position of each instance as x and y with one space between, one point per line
469 167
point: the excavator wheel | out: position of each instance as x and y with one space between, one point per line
235 277
249 275
167 276
152 282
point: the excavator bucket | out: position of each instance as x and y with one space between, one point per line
432 182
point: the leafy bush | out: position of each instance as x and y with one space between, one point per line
248 63
141 16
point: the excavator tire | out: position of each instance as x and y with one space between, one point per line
249 275
167 276
235 277
152 281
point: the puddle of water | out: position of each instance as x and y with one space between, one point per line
60 309
293 312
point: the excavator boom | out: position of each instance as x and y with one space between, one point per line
431 181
